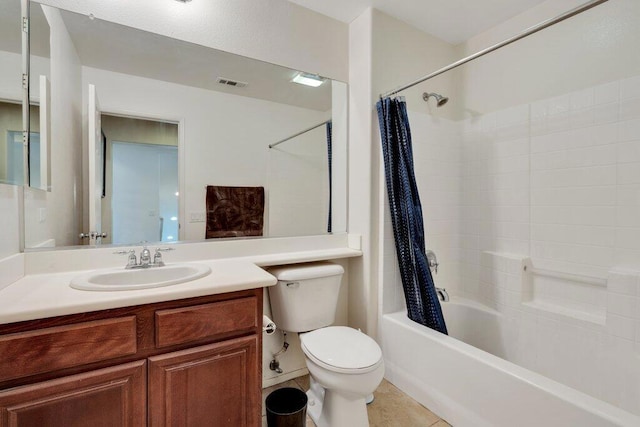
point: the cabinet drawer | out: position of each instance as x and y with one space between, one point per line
45 350
206 321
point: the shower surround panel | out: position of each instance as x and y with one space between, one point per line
553 185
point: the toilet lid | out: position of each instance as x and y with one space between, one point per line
341 347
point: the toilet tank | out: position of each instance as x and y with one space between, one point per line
306 295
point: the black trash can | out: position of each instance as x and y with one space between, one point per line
286 407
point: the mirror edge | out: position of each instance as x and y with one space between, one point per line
24 25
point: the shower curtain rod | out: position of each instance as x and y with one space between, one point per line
298 134
529 31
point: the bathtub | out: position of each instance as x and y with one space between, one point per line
461 381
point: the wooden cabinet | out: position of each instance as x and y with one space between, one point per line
203 386
114 396
193 362
42 350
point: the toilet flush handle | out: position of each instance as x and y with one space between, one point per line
293 285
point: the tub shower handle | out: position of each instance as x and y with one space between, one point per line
432 260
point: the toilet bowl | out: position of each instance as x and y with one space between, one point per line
345 365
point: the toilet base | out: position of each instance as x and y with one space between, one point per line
328 408
315 396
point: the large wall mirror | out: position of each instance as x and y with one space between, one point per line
19 164
155 139
11 95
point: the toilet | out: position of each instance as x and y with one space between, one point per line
345 365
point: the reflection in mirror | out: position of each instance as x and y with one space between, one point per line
11 146
39 124
141 165
159 121
12 164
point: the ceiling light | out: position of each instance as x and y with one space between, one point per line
184 1
307 79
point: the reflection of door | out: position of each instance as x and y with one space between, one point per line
144 204
15 154
96 166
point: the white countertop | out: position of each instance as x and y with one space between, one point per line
37 296
45 295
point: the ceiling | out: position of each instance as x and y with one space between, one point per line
453 21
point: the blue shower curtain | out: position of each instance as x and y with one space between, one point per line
423 305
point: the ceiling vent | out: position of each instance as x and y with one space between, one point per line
229 82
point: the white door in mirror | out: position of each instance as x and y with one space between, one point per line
96 165
143 278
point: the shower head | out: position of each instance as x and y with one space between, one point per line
440 100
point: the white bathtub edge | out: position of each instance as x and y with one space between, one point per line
444 406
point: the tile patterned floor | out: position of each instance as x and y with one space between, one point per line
391 407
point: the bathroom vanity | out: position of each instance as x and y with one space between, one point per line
185 354
193 361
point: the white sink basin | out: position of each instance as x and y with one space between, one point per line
139 278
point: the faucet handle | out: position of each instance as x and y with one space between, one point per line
132 260
157 257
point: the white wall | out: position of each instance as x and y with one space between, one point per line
595 47
9 202
10 72
63 206
276 31
401 54
298 185
226 137
362 283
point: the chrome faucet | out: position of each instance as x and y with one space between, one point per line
442 294
145 258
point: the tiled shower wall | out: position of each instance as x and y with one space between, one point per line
597 355
558 180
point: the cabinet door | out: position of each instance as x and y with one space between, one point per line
107 397
211 385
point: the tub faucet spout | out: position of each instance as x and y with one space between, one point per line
442 294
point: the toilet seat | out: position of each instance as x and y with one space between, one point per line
342 349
